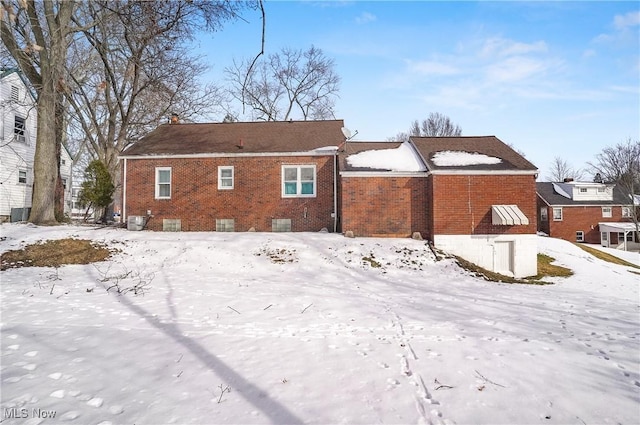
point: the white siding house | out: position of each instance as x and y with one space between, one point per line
18 128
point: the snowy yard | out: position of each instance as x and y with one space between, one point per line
255 328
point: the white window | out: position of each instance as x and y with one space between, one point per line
579 236
606 211
626 212
22 176
15 93
163 183
601 190
543 214
298 181
225 178
64 183
557 214
583 190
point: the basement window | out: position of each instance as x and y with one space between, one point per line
171 225
225 225
579 236
281 225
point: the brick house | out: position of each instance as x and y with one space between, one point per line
262 176
472 196
597 213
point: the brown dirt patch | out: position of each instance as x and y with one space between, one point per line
55 253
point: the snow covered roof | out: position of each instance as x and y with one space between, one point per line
402 158
476 153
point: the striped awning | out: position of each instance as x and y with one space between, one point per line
508 215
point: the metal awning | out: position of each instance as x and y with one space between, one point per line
613 227
508 215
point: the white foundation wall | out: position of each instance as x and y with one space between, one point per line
510 255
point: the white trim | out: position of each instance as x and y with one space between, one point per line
484 172
226 155
124 192
382 174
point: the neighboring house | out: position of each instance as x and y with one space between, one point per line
18 129
472 196
262 176
597 213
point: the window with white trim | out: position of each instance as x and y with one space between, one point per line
557 214
606 212
602 189
163 183
583 190
579 236
225 177
626 212
298 181
22 176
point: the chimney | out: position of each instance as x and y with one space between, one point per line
174 119
568 179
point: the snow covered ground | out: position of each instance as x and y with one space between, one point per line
258 328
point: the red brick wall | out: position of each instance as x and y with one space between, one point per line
255 200
384 206
462 203
581 218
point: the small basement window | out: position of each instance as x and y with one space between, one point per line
579 236
225 225
281 225
171 225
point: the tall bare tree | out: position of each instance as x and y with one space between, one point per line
560 170
435 125
290 83
133 68
36 35
620 164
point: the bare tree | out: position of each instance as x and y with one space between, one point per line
435 125
36 35
287 82
620 164
560 170
132 69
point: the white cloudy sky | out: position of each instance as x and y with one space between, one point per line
551 78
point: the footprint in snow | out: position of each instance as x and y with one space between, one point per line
57 394
95 402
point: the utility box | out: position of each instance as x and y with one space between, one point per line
135 222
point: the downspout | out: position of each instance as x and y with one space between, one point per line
124 191
335 191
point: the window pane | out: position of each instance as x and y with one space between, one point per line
164 176
226 172
290 174
290 188
164 190
226 182
307 188
307 174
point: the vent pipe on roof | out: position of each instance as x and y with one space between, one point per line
240 144
568 179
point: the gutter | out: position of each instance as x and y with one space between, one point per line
124 191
